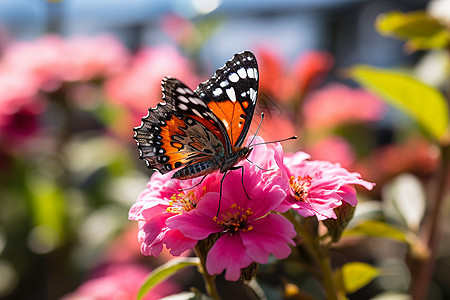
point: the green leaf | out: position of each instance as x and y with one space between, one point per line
47 202
372 228
421 30
423 103
356 275
164 271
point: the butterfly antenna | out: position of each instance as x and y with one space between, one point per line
291 138
257 129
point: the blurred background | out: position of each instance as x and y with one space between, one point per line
76 76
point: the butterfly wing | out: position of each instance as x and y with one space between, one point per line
180 131
231 96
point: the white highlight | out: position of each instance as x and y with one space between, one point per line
233 77
205 6
242 73
225 123
217 92
231 94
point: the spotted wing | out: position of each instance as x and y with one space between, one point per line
231 95
178 132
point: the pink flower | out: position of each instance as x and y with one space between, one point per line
51 59
333 149
87 58
40 59
338 104
248 231
121 282
318 187
161 201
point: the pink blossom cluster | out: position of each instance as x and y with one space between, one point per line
28 68
338 104
177 214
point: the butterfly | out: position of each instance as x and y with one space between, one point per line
199 132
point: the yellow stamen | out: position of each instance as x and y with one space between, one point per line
300 187
182 202
235 220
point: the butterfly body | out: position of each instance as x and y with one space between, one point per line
201 131
217 163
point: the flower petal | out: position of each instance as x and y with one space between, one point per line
270 234
229 254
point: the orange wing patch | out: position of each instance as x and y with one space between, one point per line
232 115
173 148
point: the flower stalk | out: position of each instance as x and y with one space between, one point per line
209 280
320 252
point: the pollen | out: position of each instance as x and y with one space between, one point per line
235 219
182 202
300 187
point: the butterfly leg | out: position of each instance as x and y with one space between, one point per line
242 178
221 183
220 194
189 188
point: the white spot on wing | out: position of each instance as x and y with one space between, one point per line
242 73
183 99
193 100
250 73
233 77
256 73
182 106
217 92
253 95
224 83
181 90
231 94
197 113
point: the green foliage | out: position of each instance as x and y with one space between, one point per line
426 105
355 275
47 203
164 271
420 30
372 228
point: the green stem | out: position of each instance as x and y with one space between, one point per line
327 274
423 266
319 252
209 280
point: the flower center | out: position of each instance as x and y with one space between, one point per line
182 202
235 219
300 187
